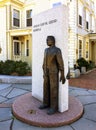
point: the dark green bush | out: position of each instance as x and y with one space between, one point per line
1 67
21 68
82 63
8 67
91 65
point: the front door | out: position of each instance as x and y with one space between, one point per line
16 50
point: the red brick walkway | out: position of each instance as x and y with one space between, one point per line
85 81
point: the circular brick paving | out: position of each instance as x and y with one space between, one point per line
25 108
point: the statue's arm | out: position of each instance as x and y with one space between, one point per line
61 66
44 62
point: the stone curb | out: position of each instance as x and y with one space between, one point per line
16 79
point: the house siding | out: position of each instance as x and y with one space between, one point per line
76 32
3 54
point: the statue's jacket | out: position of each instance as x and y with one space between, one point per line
53 62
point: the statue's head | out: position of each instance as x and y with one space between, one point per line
50 40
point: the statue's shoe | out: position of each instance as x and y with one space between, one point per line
51 111
43 106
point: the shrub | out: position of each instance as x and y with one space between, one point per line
82 63
1 67
8 67
91 65
21 68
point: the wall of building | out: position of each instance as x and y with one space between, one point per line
3 54
23 33
29 6
76 32
72 33
87 11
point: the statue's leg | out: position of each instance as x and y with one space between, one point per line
46 91
53 93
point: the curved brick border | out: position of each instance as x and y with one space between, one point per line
25 108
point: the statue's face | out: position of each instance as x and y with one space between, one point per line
50 42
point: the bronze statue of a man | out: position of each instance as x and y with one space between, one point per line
52 65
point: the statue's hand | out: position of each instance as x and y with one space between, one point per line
68 77
62 78
68 74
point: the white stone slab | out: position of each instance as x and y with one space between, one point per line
52 22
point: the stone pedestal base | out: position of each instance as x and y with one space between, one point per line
25 108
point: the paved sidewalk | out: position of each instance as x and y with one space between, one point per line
9 92
87 80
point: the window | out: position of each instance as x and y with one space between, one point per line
16 48
87 25
80 20
80 13
87 47
29 18
27 48
16 18
80 48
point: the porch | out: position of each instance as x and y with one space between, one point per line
20 44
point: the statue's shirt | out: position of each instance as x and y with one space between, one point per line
53 61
